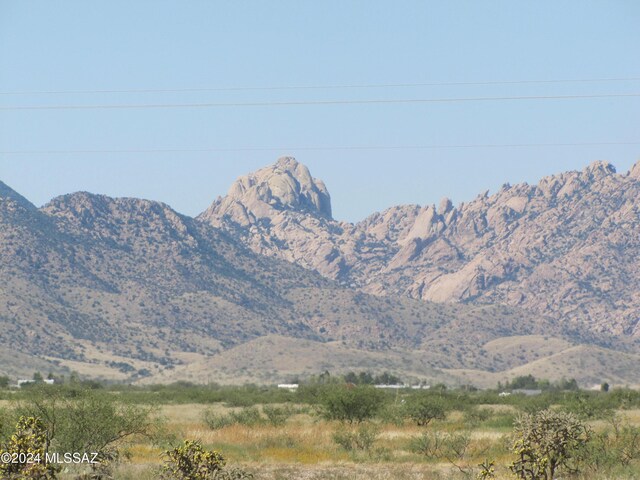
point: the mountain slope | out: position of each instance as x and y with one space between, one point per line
129 289
124 288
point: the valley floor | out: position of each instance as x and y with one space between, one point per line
305 447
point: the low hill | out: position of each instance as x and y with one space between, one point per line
275 359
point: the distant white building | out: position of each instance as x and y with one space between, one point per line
292 387
397 387
24 381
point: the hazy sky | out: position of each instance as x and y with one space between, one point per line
202 47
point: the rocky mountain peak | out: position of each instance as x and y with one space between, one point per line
599 169
635 171
287 185
290 164
445 206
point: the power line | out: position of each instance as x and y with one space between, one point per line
313 102
322 87
315 148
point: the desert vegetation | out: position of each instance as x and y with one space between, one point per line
328 428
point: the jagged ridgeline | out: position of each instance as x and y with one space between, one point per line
265 284
566 248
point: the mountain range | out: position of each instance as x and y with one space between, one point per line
265 285
565 248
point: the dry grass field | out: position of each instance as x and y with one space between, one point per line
329 430
304 447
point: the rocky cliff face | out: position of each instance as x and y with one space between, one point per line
567 247
279 211
285 186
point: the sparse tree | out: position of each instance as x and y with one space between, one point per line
423 409
352 404
77 419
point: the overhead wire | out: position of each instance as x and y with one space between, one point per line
313 148
289 103
315 103
322 87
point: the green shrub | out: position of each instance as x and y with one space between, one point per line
352 404
624 398
455 448
79 419
216 421
451 447
616 446
500 420
277 416
185 392
393 414
428 443
535 404
360 439
474 416
249 417
589 407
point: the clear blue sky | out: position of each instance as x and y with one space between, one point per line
152 45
